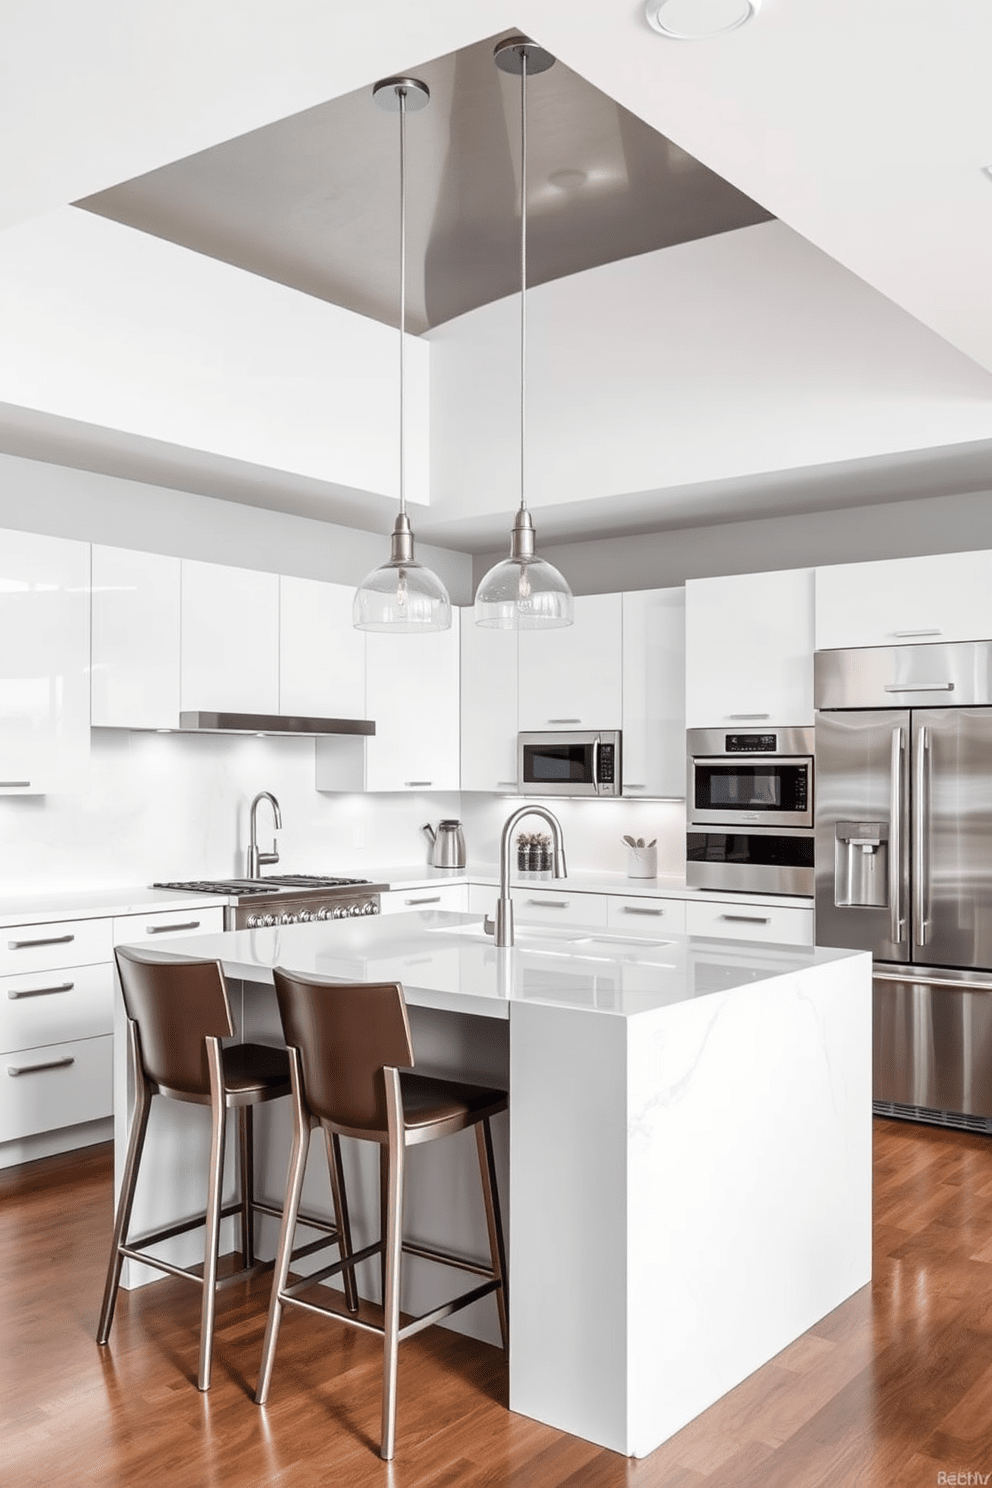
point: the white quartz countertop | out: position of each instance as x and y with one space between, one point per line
445 960
44 905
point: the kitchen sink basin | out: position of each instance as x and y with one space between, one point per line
573 937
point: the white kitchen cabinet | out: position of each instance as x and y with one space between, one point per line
741 920
44 664
167 924
411 694
571 678
136 639
654 693
488 707
321 654
641 915
542 902
905 601
230 639
452 898
749 650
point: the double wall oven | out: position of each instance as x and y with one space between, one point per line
749 810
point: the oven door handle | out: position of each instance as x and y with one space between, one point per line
595 761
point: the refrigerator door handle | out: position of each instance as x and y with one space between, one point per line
898 921
921 868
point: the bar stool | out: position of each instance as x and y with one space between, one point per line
178 1012
350 1063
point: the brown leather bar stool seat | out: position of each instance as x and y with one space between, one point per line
178 1012
351 1059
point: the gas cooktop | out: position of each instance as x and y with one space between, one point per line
271 885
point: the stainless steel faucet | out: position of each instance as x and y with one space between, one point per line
503 926
256 858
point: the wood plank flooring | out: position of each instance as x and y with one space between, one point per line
889 1391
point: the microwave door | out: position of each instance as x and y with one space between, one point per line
862 824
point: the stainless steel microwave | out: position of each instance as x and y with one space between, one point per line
738 779
569 763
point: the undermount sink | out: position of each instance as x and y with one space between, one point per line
573 936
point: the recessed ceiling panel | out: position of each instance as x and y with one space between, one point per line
312 201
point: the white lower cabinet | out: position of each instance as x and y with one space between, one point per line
167 924
641 915
451 897
58 1085
735 920
546 902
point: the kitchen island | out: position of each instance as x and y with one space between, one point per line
689 1149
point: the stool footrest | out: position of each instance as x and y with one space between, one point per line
428 1253
288 1294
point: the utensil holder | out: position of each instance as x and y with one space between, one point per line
642 862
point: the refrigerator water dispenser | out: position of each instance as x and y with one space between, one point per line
861 864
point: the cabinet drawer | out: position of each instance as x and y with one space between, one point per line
167 924
59 1085
732 921
551 906
41 1007
453 897
634 913
54 944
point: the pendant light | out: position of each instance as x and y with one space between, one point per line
523 592
402 595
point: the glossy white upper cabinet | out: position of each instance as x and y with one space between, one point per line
230 639
571 678
135 674
411 694
749 650
654 693
44 664
488 706
905 601
321 654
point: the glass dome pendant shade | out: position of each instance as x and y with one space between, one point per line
402 595
523 592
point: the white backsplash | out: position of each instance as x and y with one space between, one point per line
176 806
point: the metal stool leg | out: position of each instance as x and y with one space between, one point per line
291 1208
341 1218
215 1194
494 1221
246 1143
135 1146
383 1209
394 1253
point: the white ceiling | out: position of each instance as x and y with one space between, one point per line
862 124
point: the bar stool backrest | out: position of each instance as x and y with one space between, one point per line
345 1033
177 1004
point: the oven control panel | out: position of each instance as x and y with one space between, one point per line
752 743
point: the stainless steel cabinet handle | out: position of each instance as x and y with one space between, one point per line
931 630
549 903
507 784
749 919
897 919
634 785
922 866
9 784
418 782
40 991
23 945
564 720
169 929
636 909
918 687
747 715
434 899
33 1069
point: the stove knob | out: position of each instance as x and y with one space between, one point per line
323 914
287 919
253 922
354 909
304 917
369 907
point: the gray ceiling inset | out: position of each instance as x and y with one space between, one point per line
311 201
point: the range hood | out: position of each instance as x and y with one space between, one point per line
271 723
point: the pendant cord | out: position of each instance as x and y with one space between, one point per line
401 94
523 276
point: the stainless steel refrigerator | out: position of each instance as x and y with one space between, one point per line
903 853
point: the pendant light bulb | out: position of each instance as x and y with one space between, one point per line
402 595
523 592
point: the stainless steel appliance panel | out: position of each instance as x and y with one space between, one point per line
862 832
776 861
956 673
952 837
570 762
932 1042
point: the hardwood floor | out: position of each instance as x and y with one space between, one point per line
889 1391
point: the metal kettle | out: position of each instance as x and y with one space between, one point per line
447 844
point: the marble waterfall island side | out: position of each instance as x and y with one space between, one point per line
688 1171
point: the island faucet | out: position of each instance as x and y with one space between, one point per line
256 858
502 929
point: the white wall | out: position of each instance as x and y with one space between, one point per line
741 354
62 501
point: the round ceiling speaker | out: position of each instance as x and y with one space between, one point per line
694 20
